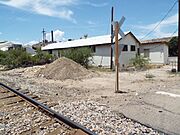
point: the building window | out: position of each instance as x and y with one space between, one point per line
138 51
133 48
10 48
93 49
125 48
50 51
146 53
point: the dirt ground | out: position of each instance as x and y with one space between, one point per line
143 98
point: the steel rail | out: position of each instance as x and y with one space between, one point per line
50 111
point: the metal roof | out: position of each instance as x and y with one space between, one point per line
157 40
98 40
4 44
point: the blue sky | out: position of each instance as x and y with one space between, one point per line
23 20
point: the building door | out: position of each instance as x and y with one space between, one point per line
146 53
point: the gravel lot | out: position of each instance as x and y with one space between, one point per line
92 101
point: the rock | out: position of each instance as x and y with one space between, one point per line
100 119
103 96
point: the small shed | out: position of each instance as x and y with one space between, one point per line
156 50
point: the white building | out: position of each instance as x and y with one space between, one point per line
101 45
5 46
156 50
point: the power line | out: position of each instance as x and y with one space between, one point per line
161 20
174 32
170 36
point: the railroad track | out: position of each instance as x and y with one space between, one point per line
23 113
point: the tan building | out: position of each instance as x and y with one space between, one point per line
156 50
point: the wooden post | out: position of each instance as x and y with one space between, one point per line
112 17
116 57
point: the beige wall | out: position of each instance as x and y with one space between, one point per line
158 53
103 53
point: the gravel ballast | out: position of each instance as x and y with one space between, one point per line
100 119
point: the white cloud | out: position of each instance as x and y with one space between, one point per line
162 30
58 35
32 42
16 42
97 4
0 33
54 8
91 22
21 19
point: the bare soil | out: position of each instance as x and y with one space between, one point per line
64 68
139 102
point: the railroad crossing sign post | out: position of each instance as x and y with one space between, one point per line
117 26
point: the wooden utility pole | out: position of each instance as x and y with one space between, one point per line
112 37
179 38
117 57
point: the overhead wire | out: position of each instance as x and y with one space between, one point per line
161 20
174 32
170 36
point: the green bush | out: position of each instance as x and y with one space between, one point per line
42 58
15 58
140 62
173 46
2 56
80 55
20 58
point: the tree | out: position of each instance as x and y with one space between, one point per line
173 46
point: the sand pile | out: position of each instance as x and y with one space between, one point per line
64 68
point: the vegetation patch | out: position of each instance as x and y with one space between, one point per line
173 47
83 55
20 58
140 62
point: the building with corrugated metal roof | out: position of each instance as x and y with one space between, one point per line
156 50
101 46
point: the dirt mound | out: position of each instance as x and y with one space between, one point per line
64 68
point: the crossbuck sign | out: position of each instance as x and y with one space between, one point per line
120 31
117 30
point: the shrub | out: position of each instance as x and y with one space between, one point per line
80 55
2 56
20 58
42 58
140 62
173 46
15 58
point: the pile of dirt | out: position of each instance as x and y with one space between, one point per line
64 68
